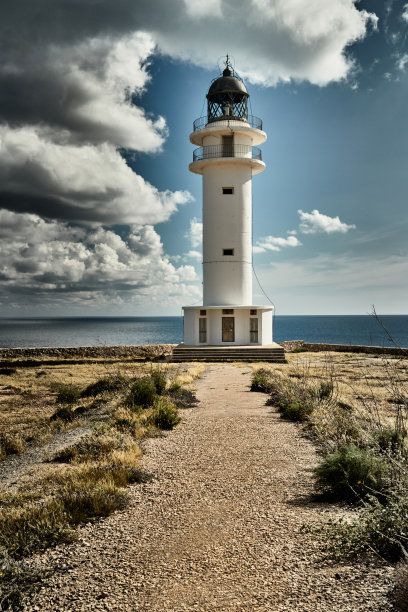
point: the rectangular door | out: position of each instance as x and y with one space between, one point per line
228 146
228 329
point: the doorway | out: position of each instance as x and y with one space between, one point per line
228 329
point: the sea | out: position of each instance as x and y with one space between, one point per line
117 331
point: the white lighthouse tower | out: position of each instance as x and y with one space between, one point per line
227 157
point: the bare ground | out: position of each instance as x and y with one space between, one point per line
219 526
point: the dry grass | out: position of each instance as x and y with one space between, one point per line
28 396
369 385
85 479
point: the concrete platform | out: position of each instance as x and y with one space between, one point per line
273 353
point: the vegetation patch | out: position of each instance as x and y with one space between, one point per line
142 393
355 409
165 414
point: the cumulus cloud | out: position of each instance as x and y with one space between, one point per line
195 234
404 14
274 243
88 183
45 257
315 222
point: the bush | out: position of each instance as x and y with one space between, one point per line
300 349
159 380
388 440
165 414
351 472
325 390
142 393
262 380
108 384
297 411
67 394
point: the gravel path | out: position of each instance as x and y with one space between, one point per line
219 526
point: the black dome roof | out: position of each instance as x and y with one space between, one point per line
227 83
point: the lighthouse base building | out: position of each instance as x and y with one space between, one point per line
227 158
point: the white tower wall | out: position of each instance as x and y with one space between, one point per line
227 224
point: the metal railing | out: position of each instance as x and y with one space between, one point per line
236 150
202 122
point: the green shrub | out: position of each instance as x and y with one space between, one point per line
294 399
351 472
378 527
174 387
67 394
160 381
142 393
325 390
300 349
297 411
262 380
165 414
388 440
108 384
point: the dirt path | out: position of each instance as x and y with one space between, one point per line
219 526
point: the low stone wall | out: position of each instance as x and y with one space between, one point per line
150 351
315 347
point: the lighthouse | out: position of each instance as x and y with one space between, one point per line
227 157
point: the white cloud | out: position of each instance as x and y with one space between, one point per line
404 14
402 61
57 258
195 254
195 234
88 183
315 222
273 243
272 40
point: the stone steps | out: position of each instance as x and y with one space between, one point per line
221 354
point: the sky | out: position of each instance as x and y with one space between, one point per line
99 214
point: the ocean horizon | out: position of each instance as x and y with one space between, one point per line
35 332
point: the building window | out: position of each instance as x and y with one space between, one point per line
227 190
227 251
202 329
227 311
253 330
253 312
203 313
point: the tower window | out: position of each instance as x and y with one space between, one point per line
227 311
227 251
203 313
227 190
253 312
